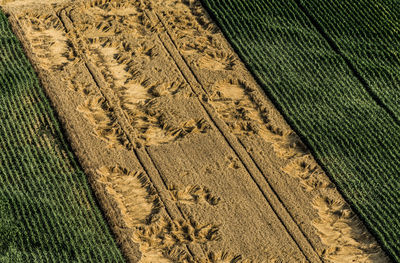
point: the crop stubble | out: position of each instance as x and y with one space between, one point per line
186 155
47 211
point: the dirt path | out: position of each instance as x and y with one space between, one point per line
188 158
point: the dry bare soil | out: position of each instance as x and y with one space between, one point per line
189 159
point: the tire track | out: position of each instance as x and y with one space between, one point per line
258 177
143 157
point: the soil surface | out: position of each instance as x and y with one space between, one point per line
189 159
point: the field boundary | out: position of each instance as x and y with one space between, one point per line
281 101
46 136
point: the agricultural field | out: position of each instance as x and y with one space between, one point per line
149 136
349 118
47 210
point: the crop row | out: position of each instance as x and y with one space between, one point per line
47 210
367 34
353 132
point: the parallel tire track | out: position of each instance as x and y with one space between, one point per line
351 136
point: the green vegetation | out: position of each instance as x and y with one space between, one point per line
366 33
341 97
47 210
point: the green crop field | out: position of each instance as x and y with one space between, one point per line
48 212
367 34
332 70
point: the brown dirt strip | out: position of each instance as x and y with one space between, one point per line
186 155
